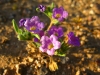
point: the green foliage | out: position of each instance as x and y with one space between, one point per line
35 35
52 5
55 21
37 44
15 26
62 51
25 36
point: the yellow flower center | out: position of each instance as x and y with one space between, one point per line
58 15
33 28
50 46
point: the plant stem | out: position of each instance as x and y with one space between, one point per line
46 15
50 59
50 25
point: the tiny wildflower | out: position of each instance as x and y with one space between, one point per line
33 24
73 40
58 31
21 22
49 45
41 8
59 13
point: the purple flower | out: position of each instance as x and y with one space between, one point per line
49 44
73 40
41 8
21 22
59 13
33 24
58 31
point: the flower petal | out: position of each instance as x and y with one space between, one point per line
26 24
73 40
65 14
44 38
42 49
40 25
34 18
53 38
57 44
21 22
51 52
60 32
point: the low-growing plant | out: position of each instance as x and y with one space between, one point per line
51 40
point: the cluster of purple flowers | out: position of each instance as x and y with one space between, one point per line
49 40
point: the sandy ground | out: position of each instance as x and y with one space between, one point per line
16 57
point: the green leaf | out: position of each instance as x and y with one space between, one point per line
20 31
25 35
21 37
52 5
55 21
63 50
48 11
36 35
60 53
49 14
15 26
37 9
37 44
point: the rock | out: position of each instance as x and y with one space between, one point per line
91 12
89 56
78 72
64 60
